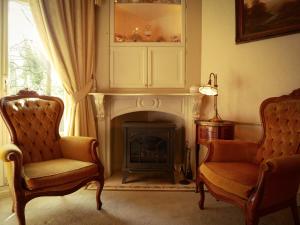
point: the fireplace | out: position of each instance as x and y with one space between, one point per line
111 106
148 148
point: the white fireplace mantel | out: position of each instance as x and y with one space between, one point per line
111 105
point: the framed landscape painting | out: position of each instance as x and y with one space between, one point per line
260 19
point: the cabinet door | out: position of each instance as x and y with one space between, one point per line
128 67
166 67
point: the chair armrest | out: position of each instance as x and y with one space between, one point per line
10 152
283 165
279 180
13 159
79 148
231 151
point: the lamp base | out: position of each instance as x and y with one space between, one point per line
216 118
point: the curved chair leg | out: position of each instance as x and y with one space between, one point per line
13 206
202 194
197 185
252 221
294 210
251 218
100 185
20 212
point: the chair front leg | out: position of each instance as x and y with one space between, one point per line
100 185
294 210
20 211
251 218
202 194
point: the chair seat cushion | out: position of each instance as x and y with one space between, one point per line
234 177
57 172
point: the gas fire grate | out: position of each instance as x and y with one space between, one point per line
148 147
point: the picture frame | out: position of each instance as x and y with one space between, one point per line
261 19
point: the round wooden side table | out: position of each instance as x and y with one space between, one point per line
210 130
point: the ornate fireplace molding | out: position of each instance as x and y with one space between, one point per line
111 105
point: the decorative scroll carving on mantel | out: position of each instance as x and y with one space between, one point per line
99 103
111 105
147 102
152 102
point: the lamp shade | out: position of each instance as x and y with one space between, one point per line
208 90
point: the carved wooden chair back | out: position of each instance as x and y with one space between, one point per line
33 122
281 123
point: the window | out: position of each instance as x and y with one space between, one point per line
29 66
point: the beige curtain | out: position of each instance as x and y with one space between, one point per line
98 2
67 28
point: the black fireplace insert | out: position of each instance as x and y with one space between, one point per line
148 148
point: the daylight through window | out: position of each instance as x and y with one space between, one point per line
28 65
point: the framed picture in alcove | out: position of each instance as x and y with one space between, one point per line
260 19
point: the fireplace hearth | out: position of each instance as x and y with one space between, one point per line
148 148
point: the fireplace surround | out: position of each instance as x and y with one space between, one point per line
109 106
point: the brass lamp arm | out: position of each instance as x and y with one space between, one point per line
214 75
216 117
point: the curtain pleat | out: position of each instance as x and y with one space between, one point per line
68 32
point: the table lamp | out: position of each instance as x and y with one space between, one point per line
212 90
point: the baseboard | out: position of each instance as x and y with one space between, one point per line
4 192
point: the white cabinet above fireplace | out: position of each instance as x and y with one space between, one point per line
128 67
147 67
147 44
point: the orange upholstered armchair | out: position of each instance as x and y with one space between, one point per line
38 161
259 177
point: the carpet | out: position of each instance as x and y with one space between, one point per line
141 182
133 208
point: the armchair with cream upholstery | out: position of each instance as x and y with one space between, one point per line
38 161
258 177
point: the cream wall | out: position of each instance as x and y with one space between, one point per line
193 47
247 73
